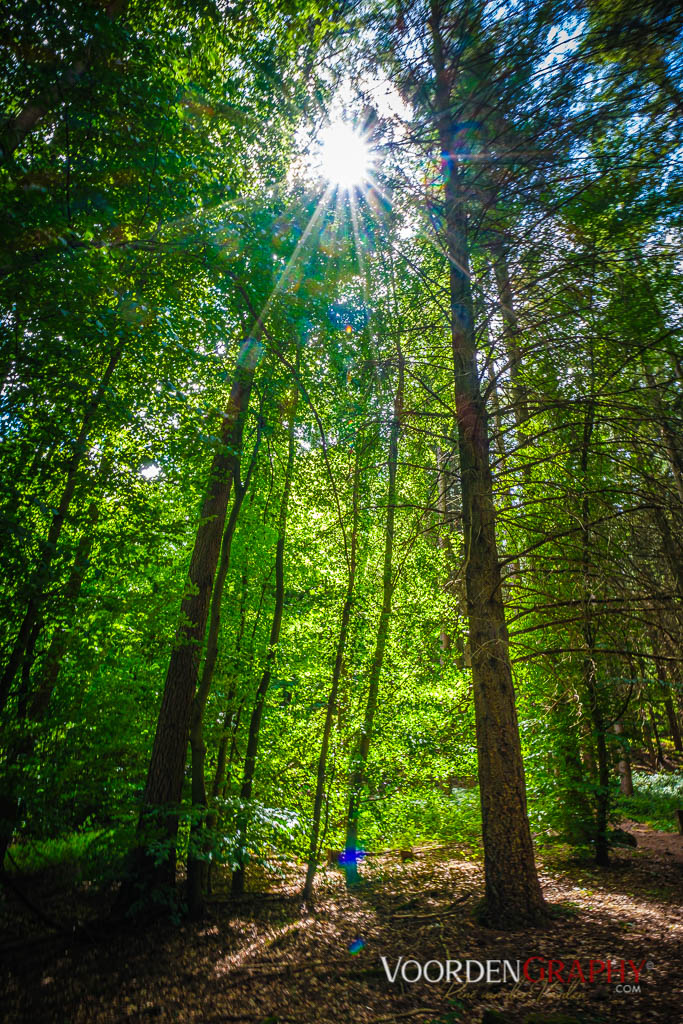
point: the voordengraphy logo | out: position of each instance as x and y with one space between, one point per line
534 969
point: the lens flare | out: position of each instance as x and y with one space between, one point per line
344 155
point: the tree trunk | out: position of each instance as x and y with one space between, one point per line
512 891
442 542
231 715
665 687
647 740
313 851
60 638
164 786
624 763
511 335
602 793
590 675
251 754
661 761
34 705
360 757
196 864
41 576
669 436
674 727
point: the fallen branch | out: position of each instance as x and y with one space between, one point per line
408 1013
436 913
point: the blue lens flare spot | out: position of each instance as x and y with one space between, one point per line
356 946
350 856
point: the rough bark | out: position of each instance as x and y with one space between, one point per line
164 785
512 891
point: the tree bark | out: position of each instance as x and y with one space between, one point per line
264 683
163 790
512 891
624 763
196 865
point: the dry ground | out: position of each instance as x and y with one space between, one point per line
265 960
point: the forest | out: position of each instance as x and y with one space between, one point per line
341 511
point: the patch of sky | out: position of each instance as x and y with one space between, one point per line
562 42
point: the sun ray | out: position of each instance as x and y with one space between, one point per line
289 266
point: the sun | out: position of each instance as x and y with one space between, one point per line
344 156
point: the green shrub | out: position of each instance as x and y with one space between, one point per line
654 800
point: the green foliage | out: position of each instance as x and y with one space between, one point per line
654 801
84 856
417 815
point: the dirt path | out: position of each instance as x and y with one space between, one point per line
668 844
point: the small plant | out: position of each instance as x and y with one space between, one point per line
655 799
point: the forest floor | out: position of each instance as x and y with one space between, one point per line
266 960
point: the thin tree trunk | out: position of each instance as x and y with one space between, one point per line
60 638
665 688
511 335
647 739
512 891
231 716
602 794
624 763
264 683
671 442
590 677
34 705
671 547
41 575
441 540
360 757
674 727
334 688
163 790
661 761
196 865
